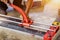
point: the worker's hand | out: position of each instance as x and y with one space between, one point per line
5 1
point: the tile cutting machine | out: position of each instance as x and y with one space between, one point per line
46 32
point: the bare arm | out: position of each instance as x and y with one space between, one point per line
28 6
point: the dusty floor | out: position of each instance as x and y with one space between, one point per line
9 34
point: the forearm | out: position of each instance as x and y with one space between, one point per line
28 6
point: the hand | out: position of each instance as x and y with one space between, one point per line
5 1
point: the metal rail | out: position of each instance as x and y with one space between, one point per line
4 16
31 26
